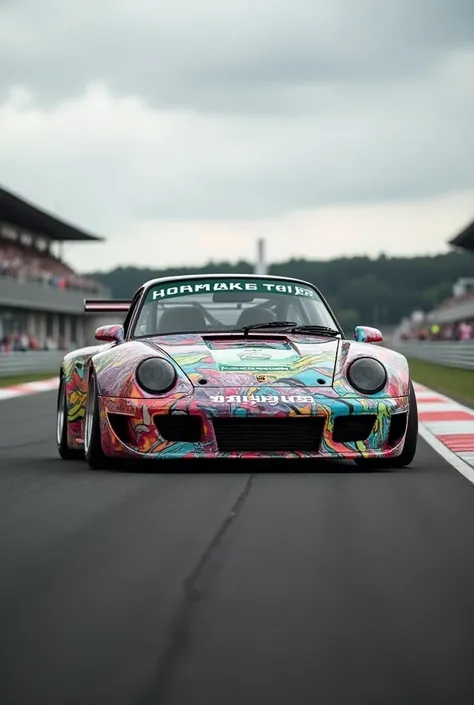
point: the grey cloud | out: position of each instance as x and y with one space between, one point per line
222 55
405 142
289 103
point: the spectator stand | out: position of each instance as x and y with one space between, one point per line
41 297
445 335
452 321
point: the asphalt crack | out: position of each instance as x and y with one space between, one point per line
158 691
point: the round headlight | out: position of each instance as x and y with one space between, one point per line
367 375
155 375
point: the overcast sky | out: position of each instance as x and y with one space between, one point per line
183 132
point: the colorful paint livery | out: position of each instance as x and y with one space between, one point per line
74 373
294 359
278 388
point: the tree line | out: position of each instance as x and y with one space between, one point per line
360 290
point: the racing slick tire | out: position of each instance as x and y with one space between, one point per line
93 453
409 447
65 452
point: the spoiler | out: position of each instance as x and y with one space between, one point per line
105 306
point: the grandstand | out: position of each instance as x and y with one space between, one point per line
465 239
41 297
453 319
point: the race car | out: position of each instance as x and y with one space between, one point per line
234 366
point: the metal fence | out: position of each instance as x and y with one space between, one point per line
24 363
459 354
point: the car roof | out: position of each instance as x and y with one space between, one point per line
226 275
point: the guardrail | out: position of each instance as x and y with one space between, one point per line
29 362
459 354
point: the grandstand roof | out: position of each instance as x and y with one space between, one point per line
18 213
465 239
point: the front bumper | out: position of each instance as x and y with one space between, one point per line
226 424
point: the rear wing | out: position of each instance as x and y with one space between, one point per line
106 306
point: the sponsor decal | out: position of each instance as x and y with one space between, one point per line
252 368
211 286
261 359
255 354
262 399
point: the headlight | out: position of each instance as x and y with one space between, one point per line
367 375
155 375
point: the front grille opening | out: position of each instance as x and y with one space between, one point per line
179 428
267 434
349 429
398 426
121 427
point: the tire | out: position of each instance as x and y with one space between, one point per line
93 452
64 451
409 448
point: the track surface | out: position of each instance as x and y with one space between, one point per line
321 585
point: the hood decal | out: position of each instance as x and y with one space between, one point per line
252 357
295 360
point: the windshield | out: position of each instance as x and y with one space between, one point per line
228 304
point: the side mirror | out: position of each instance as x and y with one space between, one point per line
110 334
365 334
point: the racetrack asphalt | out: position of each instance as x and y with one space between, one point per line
295 584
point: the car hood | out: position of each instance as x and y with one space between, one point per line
235 361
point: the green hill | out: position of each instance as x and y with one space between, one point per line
360 290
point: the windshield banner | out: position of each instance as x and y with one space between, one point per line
205 286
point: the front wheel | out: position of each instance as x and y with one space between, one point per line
93 452
65 452
409 447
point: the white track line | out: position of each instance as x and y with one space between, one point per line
9 394
455 460
427 393
421 396
441 428
463 462
442 405
28 388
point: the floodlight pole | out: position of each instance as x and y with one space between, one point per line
261 265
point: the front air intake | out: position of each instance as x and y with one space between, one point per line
398 425
179 428
121 427
268 434
353 428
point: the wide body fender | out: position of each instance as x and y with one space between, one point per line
398 372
